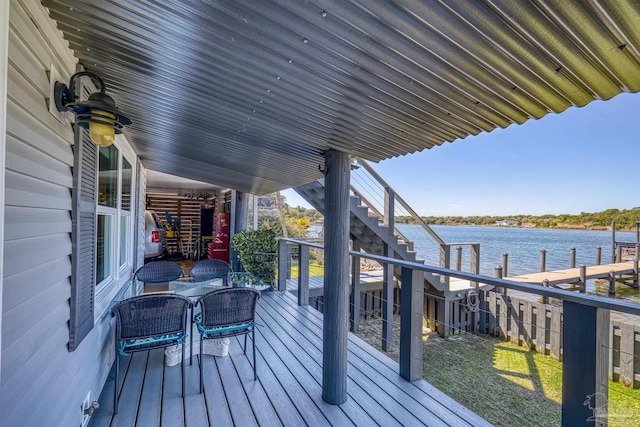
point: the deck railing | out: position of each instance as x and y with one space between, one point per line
586 333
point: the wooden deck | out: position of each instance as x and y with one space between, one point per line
572 275
288 391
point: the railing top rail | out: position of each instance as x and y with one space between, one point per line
400 200
461 243
589 300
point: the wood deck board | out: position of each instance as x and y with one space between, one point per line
288 391
362 389
132 387
304 347
151 397
195 410
234 392
386 370
172 403
258 397
304 374
216 401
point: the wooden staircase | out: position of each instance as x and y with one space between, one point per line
368 230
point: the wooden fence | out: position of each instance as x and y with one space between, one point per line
536 326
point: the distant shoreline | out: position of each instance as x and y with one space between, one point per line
557 227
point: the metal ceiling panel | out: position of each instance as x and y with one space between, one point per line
249 95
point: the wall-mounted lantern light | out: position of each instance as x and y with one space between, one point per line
99 113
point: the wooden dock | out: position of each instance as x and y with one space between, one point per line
572 275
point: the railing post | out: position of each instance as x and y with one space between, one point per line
583 278
459 258
573 257
411 312
619 253
283 263
585 364
543 260
445 262
598 255
354 313
499 276
545 299
505 265
612 282
613 241
475 260
389 209
635 267
303 275
387 301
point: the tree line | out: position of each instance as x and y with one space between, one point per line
625 220
298 219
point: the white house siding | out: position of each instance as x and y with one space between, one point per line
41 382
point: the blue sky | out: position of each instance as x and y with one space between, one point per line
582 160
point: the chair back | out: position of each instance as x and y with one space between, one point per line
228 307
159 272
209 269
149 316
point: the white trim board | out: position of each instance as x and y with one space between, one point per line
4 65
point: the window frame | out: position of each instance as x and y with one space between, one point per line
118 274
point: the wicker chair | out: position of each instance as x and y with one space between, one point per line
209 269
159 272
228 313
147 322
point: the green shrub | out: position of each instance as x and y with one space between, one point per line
261 241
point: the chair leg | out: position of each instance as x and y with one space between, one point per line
201 364
115 385
182 367
253 339
191 339
244 350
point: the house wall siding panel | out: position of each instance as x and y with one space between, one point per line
21 222
41 382
38 279
34 163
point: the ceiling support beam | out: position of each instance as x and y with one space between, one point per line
336 277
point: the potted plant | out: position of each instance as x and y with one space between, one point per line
257 253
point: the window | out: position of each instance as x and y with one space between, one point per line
114 252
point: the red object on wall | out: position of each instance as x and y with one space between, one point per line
219 248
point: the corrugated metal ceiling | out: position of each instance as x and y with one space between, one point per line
249 94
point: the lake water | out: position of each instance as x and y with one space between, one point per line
523 246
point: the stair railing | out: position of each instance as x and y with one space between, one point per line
383 201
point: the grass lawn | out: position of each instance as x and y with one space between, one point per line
505 384
315 269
